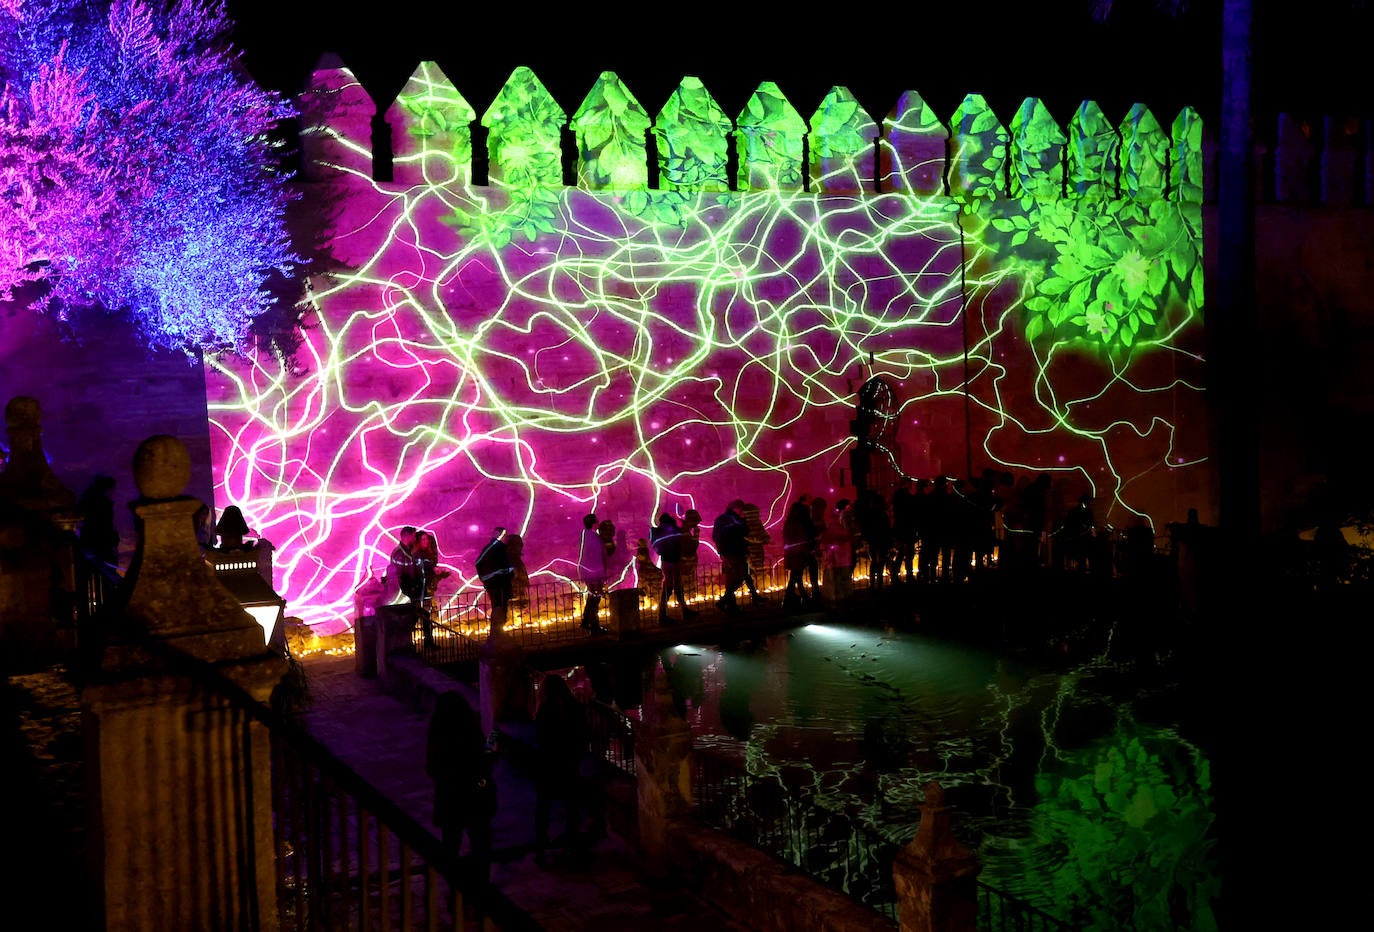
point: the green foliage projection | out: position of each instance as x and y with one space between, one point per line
1185 163
979 154
1037 152
610 127
1119 274
1144 155
1132 815
1093 145
692 142
840 128
525 148
771 135
1101 272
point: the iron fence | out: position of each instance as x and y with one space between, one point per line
999 911
349 858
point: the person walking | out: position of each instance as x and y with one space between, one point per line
729 533
461 763
796 554
594 566
815 529
429 572
691 544
667 538
497 573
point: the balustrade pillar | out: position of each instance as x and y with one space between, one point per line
936 877
37 521
178 771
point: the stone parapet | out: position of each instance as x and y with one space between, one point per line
755 887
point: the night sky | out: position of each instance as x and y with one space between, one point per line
943 51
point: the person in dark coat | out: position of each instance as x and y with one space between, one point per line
876 528
401 570
667 542
430 574
497 572
730 534
816 527
461 764
796 554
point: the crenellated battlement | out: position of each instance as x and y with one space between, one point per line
612 142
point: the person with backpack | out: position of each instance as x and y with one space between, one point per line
497 573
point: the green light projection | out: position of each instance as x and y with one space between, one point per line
1127 826
519 353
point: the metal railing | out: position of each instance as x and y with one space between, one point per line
999 911
349 858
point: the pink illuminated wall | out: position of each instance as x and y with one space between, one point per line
456 378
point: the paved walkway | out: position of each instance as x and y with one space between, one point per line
383 739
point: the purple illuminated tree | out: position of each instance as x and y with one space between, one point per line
138 171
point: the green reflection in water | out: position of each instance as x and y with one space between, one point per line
1126 823
1073 784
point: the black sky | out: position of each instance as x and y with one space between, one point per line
1310 57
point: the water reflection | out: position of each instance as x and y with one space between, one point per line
1075 785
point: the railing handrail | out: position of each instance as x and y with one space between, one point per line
288 734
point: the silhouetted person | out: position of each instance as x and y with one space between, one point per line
876 528
845 541
562 745
729 534
1035 506
401 570
920 518
98 536
904 529
1076 535
593 560
667 542
427 585
497 572
231 530
815 529
796 554
461 761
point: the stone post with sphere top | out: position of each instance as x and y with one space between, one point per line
178 769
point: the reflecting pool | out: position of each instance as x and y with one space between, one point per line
1075 783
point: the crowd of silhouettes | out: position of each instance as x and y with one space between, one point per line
940 529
